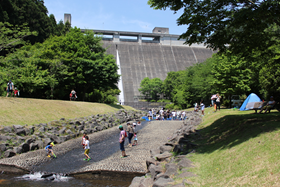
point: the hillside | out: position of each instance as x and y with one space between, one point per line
23 111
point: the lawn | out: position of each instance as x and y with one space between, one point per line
237 148
29 111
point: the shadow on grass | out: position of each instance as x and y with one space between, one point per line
115 106
232 130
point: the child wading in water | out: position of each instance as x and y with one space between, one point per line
49 150
135 139
87 148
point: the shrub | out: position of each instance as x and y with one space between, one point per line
169 106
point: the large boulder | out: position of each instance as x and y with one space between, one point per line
63 130
163 156
47 141
33 146
9 153
39 143
165 148
162 182
17 150
171 169
136 181
3 147
7 129
155 170
3 138
154 152
19 130
146 182
25 147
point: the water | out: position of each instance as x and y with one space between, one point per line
69 162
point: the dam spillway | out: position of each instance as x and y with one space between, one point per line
150 55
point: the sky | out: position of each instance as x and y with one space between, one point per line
117 15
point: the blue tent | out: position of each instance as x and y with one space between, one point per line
249 102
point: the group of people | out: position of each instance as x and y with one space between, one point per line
128 133
11 89
166 114
202 106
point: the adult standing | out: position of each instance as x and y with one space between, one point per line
217 101
213 99
10 88
130 133
121 141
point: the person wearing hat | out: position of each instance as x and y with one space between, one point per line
268 106
10 88
49 149
122 136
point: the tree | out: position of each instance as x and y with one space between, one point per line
12 36
239 26
151 88
73 61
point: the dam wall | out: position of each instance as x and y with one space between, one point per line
150 55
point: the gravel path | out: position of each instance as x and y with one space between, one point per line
152 136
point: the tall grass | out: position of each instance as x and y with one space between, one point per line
30 111
237 148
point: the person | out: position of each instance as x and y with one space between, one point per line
173 115
73 95
134 125
196 107
139 123
49 149
83 140
183 115
130 133
202 107
270 104
150 115
217 101
121 141
135 139
213 99
10 88
87 148
178 114
16 92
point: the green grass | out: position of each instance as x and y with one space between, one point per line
239 149
29 111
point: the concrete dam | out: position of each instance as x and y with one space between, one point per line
152 55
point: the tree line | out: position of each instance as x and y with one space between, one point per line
45 59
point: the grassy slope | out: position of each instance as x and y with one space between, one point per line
23 111
237 149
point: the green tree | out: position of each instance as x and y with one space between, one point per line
239 26
151 88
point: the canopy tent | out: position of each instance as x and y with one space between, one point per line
249 102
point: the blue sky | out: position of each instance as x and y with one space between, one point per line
119 15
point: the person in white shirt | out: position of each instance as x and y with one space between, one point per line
173 115
87 148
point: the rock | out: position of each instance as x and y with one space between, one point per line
18 127
136 181
30 140
146 182
41 129
165 148
47 141
171 169
17 150
20 131
77 123
25 147
39 143
154 152
63 130
150 161
47 175
69 131
3 147
62 119
9 153
162 175
163 156
33 146
3 138
7 129
162 182
183 163
80 128
154 170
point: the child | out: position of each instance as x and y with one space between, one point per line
121 141
49 149
83 140
139 123
202 107
16 92
87 148
135 140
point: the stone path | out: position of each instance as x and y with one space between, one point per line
152 136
